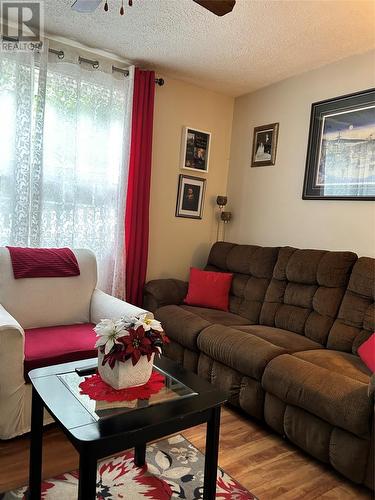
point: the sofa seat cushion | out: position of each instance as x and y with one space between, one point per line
217 317
329 384
239 350
339 362
286 339
181 325
184 323
58 344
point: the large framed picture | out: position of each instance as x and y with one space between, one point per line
264 145
195 151
190 197
340 163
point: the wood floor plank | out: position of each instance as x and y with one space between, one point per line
263 462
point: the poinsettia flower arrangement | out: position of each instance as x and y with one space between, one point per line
129 338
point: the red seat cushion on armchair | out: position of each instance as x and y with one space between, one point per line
58 344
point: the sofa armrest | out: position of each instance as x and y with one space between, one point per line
164 292
105 306
12 382
12 345
7 321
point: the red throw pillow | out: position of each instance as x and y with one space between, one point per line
209 289
367 352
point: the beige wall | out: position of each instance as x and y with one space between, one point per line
266 202
176 243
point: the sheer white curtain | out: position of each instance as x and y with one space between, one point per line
74 175
22 94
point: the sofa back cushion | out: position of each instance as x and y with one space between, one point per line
356 318
252 268
306 291
40 302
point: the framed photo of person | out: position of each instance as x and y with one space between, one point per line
190 197
340 163
195 150
264 145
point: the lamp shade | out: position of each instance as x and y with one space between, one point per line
226 216
221 200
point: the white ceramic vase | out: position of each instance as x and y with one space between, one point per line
124 374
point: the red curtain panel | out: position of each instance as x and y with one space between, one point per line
138 195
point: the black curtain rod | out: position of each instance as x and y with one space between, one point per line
94 63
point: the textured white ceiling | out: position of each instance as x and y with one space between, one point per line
260 42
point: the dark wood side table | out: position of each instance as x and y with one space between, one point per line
185 401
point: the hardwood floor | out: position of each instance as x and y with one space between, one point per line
260 460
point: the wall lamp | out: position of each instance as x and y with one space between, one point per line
224 217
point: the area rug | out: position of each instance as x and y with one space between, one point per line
174 470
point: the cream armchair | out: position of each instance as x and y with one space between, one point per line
41 302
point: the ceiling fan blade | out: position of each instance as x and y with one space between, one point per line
218 7
86 5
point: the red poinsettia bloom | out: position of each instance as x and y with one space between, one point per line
137 344
159 337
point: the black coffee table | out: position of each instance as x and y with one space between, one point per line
97 431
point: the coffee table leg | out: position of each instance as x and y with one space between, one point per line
211 459
35 464
87 476
140 455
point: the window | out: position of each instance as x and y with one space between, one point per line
64 146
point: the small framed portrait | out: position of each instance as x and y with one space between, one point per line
264 145
195 150
190 197
340 163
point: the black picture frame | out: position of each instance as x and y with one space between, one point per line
195 149
190 197
264 145
341 148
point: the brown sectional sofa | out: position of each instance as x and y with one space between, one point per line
286 353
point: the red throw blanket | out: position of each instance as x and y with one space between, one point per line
43 262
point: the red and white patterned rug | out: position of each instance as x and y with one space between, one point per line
174 470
